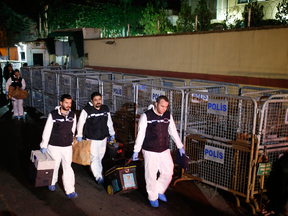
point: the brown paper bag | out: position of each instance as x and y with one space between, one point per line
11 89
19 93
81 152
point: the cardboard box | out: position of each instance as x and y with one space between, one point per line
42 161
41 168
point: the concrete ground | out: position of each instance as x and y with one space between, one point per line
18 196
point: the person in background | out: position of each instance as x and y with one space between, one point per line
57 140
98 126
153 129
8 72
16 80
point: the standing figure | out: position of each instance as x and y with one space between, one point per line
153 129
98 126
16 80
8 71
57 140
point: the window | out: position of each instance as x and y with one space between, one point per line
22 56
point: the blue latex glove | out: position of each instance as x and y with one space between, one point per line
79 139
181 151
43 150
7 93
112 138
135 156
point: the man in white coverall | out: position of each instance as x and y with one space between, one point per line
153 129
15 80
98 126
57 140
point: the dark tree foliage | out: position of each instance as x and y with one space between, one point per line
16 27
114 17
257 14
203 16
186 21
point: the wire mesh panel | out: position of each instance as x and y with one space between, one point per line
67 84
170 82
37 100
50 82
50 102
232 88
133 76
28 101
220 117
26 74
274 122
250 90
217 89
219 164
85 87
119 97
36 78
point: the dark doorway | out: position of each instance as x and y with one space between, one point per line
38 59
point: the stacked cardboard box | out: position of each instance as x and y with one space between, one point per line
41 168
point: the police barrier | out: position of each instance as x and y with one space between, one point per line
220 142
220 117
271 137
232 89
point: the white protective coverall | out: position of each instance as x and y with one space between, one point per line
17 103
60 155
98 147
154 161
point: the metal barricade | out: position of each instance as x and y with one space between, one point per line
220 117
272 136
119 97
246 90
26 74
86 85
37 100
170 82
227 166
273 130
233 89
219 139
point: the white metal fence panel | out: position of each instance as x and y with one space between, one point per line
220 117
233 89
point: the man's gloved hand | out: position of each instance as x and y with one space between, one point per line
79 139
112 138
135 156
6 93
181 151
43 150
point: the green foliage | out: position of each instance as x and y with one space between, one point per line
257 14
203 16
150 19
186 21
17 27
111 16
282 14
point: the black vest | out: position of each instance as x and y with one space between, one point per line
16 82
62 134
96 123
156 138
